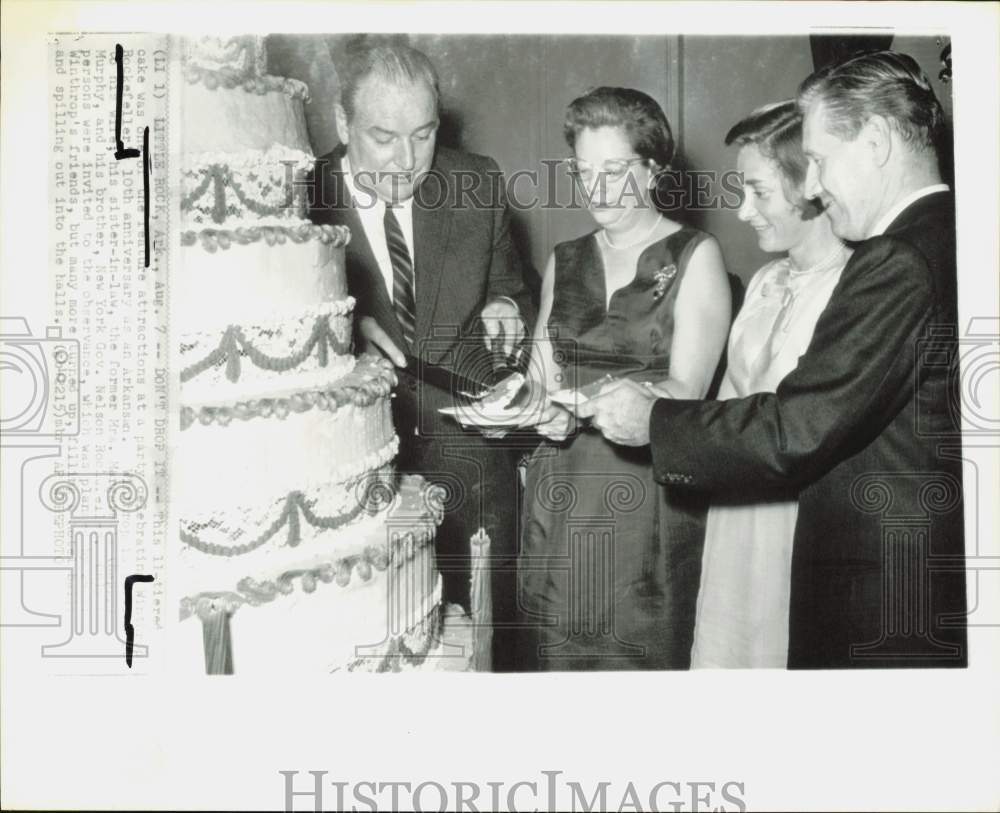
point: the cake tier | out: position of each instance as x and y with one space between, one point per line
240 57
262 391
255 280
365 597
269 357
284 469
230 62
246 117
255 187
255 318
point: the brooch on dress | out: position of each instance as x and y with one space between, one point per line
661 278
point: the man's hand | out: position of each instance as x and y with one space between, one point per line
378 339
622 412
502 320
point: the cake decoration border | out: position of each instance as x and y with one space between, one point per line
214 239
279 316
204 604
222 171
231 79
255 593
235 61
374 498
429 629
329 399
234 345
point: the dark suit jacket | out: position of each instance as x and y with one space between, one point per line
866 431
463 258
463 253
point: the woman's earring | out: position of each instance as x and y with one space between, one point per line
654 176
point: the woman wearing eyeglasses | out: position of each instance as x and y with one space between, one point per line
610 560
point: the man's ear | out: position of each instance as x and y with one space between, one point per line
877 133
341 118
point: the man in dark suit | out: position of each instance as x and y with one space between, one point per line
866 429
437 281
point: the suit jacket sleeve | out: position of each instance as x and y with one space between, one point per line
507 267
856 375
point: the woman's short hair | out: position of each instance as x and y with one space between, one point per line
776 130
391 61
642 119
883 83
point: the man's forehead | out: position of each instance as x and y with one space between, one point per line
815 137
381 99
814 123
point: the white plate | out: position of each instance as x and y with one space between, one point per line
470 416
574 399
568 398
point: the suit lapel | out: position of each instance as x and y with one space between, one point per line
431 227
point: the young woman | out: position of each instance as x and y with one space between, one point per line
742 615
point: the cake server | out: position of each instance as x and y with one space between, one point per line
445 378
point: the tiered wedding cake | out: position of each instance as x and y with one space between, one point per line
300 550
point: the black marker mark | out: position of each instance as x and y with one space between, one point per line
129 629
120 152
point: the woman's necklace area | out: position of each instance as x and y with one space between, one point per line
829 261
634 243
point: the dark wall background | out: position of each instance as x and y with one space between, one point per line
505 96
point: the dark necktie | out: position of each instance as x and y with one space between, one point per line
402 276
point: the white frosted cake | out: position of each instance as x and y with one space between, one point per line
300 549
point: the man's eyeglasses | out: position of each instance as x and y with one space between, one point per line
612 170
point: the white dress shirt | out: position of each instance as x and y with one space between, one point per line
886 220
371 211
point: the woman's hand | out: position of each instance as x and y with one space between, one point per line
555 422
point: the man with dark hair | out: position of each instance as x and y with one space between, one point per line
437 280
866 429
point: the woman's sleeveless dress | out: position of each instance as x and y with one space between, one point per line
610 560
743 600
